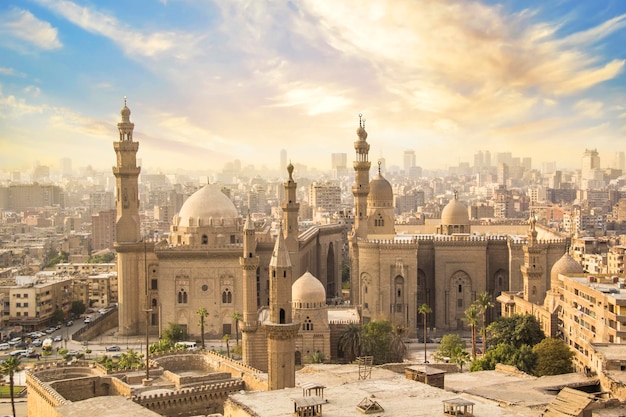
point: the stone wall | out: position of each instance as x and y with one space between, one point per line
81 388
97 327
42 399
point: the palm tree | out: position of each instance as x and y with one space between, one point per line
236 318
483 302
226 338
202 313
471 317
9 367
460 357
424 310
396 344
350 341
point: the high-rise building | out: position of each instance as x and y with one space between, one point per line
65 164
590 166
620 161
409 161
339 164
283 160
103 229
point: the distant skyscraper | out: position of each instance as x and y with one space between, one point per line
620 161
527 163
487 159
409 161
65 164
283 160
548 167
503 173
479 160
590 163
339 164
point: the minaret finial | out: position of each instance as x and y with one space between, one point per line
360 119
124 100
456 195
379 164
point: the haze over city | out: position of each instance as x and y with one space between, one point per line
211 81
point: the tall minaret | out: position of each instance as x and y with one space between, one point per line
250 330
290 216
532 269
128 245
280 330
361 186
360 190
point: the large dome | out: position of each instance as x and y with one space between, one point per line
308 289
380 190
206 205
564 266
454 213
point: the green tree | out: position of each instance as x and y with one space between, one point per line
58 315
460 357
162 346
61 257
317 357
517 330
237 317
345 275
9 367
78 308
448 347
174 332
350 342
226 338
202 313
101 259
471 317
424 310
483 303
130 360
521 357
553 357
376 340
397 347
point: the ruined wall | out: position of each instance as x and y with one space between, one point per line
42 399
81 388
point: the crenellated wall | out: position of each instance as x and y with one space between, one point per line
191 401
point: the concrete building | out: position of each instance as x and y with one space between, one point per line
103 230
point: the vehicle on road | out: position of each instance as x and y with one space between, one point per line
87 320
5 346
112 348
47 345
70 323
16 353
186 345
15 341
73 353
57 338
36 343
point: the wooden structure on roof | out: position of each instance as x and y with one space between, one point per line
369 406
365 366
570 403
308 406
458 407
426 375
313 388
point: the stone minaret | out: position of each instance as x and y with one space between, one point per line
128 245
360 190
361 186
533 268
281 331
290 216
252 344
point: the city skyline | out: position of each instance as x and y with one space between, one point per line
209 82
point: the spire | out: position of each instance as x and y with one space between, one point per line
532 232
290 171
249 224
280 255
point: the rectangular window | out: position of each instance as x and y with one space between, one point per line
18 304
26 295
26 314
25 304
459 303
154 284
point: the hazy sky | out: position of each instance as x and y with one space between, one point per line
211 81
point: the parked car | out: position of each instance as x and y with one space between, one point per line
73 352
57 338
36 343
70 323
87 320
15 341
112 348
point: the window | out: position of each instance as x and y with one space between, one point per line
26 295
227 296
154 302
284 274
307 325
182 296
25 304
18 305
282 316
399 293
205 239
459 303
154 284
26 314
460 288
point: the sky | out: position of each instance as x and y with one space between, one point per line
212 81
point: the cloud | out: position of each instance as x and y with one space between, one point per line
132 41
21 25
13 107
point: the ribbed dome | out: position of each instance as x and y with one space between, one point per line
208 203
308 289
380 189
454 213
564 266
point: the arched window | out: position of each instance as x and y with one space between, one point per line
154 302
282 316
227 296
205 239
534 290
307 325
182 296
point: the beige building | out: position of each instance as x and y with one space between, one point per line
394 273
32 300
198 265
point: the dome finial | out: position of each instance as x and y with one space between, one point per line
290 171
456 195
124 101
360 119
379 164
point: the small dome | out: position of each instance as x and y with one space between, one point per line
308 289
454 213
206 204
564 266
125 112
361 133
380 189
